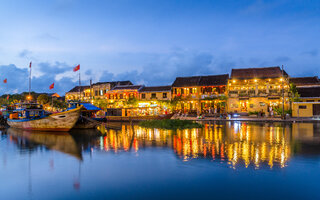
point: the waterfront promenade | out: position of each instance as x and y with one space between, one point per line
249 119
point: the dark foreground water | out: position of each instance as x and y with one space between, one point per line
221 161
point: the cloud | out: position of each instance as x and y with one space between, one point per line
312 53
18 78
24 53
166 68
282 59
46 36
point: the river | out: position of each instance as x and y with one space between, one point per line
223 160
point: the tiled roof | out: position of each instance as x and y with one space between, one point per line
309 92
305 81
156 89
214 80
76 89
127 87
263 72
201 81
114 83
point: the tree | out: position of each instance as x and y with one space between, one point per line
43 99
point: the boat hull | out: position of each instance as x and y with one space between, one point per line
86 123
62 121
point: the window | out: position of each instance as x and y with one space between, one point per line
153 95
310 100
302 107
121 96
262 104
101 92
164 95
96 92
190 90
143 96
175 90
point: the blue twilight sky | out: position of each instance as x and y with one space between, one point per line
151 42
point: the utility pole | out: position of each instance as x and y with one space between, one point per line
282 93
91 90
79 86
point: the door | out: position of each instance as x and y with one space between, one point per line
316 109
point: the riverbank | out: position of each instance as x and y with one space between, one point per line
252 119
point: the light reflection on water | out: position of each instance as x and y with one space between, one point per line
231 145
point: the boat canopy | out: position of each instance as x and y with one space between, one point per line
86 106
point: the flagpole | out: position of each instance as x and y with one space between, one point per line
30 80
79 87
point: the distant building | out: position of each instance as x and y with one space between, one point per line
257 89
200 94
309 90
120 94
74 93
155 93
305 81
99 89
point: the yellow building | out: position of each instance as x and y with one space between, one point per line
155 100
155 93
95 91
258 90
200 94
76 92
309 90
99 89
119 96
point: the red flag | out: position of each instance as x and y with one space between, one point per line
51 86
5 81
7 97
76 68
30 64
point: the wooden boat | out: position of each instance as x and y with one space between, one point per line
121 115
33 117
87 119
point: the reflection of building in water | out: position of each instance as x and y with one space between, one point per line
125 140
234 143
245 144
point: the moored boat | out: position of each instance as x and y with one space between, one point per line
88 118
33 117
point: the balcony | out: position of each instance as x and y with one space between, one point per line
262 93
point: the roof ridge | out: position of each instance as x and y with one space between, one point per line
256 68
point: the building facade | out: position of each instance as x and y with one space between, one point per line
76 92
200 94
99 89
309 101
254 90
123 95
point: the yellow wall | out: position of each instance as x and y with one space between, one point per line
159 96
253 104
296 112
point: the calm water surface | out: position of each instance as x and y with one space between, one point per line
229 160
